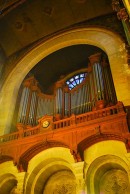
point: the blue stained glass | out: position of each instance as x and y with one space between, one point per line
72 79
76 80
77 76
81 79
81 75
70 88
70 85
74 83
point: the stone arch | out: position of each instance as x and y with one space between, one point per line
7 183
46 167
5 158
107 166
34 150
89 141
100 37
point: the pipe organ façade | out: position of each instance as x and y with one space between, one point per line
89 89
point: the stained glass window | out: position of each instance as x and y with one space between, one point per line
75 80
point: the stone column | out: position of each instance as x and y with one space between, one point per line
81 186
20 185
123 16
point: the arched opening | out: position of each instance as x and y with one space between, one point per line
51 169
104 39
108 173
8 183
80 80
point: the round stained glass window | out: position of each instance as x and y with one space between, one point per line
76 80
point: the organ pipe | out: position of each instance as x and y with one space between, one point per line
97 85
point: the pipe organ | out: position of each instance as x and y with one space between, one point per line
102 87
93 92
34 104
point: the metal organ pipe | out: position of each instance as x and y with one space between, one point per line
40 109
23 105
59 101
31 118
95 62
109 86
66 112
91 85
102 77
45 105
97 86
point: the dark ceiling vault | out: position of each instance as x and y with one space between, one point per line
62 63
24 23
35 19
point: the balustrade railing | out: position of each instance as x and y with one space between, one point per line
9 137
63 123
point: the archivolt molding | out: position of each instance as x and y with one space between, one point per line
58 158
43 171
6 176
104 39
33 151
5 158
98 138
7 181
55 153
101 165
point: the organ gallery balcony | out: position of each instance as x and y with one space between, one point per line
73 132
80 111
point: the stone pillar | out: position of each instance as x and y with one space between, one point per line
123 16
81 186
20 185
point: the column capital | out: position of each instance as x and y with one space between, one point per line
115 5
122 14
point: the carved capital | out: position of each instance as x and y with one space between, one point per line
122 14
115 5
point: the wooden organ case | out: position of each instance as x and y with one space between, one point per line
96 91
